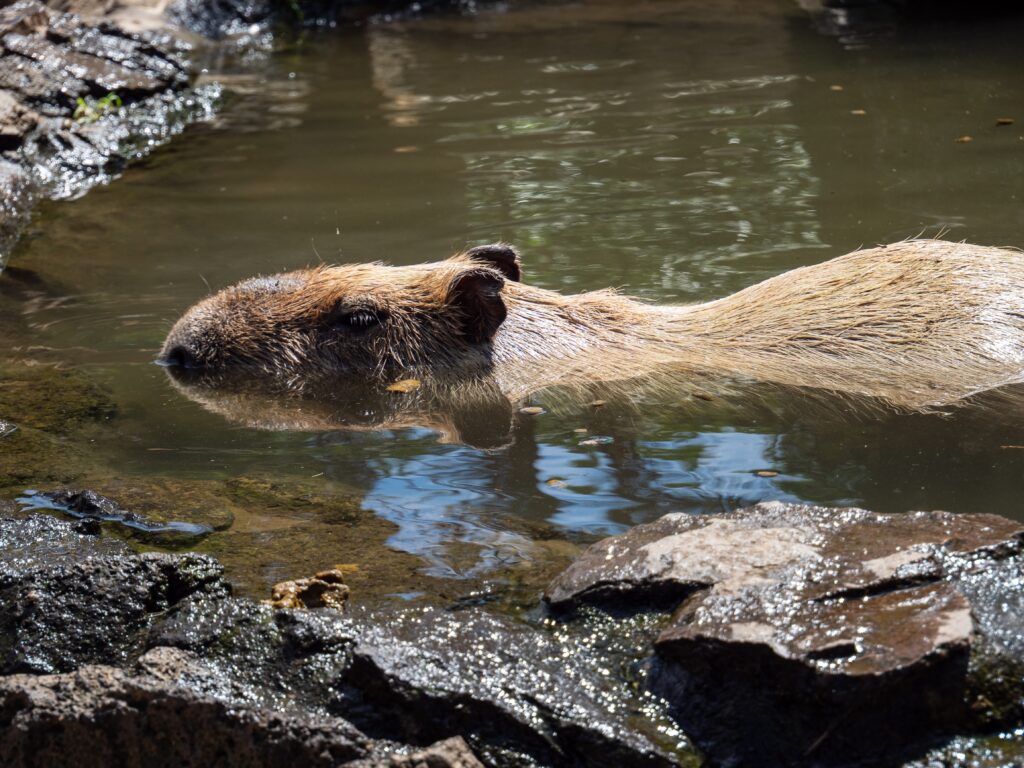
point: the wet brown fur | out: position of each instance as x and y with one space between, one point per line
919 324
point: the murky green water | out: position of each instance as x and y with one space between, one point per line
678 150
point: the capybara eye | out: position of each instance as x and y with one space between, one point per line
357 320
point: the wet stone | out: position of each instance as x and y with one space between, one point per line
800 629
157 715
32 83
16 120
509 689
517 695
68 598
82 66
27 17
15 199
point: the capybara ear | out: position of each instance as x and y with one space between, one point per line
477 294
502 256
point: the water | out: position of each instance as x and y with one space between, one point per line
677 150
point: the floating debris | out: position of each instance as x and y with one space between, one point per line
766 473
7 428
598 403
532 410
1004 121
835 87
964 139
405 386
581 430
555 482
858 112
598 440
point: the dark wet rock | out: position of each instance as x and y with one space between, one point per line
281 660
16 120
68 598
15 199
856 23
801 629
509 689
450 753
155 716
220 19
999 751
198 661
517 695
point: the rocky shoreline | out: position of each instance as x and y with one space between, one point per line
802 636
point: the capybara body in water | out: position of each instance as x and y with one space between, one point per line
920 324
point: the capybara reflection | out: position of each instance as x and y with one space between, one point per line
920 324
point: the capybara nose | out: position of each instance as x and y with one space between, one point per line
179 356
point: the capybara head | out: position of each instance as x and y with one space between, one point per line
366 318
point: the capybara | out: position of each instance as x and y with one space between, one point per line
919 324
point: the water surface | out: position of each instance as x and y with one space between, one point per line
677 150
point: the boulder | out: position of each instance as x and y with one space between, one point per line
157 714
69 598
510 689
800 630
418 676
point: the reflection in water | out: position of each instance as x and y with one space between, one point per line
473 504
679 150
551 154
